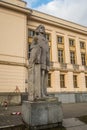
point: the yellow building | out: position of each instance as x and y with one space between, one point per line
68 51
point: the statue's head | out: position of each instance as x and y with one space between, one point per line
40 29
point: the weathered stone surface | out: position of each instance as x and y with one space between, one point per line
11 98
44 112
39 63
40 110
34 82
74 124
9 121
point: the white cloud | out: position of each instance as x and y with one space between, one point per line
72 10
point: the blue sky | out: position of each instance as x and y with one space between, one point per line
36 3
71 10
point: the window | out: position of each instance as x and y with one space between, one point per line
72 57
75 81
62 80
29 50
86 81
71 42
83 59
82 45
48 37
60 56
50 52
49 79
31 33
60 39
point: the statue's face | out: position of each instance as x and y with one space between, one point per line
42 30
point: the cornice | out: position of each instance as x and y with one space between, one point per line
36 15
15 7
14 64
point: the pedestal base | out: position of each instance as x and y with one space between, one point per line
42 114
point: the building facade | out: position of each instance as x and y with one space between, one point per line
68 51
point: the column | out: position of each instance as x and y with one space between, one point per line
66 47
69 81
56 81
81 82
54 47
78 54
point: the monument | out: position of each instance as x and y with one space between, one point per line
41 110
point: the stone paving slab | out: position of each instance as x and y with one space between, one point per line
70 110
71 122
74 124
7 121
84 127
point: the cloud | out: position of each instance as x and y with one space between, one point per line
72 10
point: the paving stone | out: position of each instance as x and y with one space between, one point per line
70 110
10 121
83 127
71 122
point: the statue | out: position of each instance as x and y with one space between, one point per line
40 111
40 55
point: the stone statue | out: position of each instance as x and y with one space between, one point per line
40 111
40 55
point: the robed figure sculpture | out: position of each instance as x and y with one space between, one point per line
40 111
39 62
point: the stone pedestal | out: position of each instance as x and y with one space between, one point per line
44 113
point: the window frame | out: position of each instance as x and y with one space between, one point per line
62 81
86 81
61 56
72 58
60 39
71 42
31 32
82 45
83 59
75 82
49 80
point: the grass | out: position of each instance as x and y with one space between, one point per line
83 118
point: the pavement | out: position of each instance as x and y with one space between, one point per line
74 110
70 111
8 120
74 124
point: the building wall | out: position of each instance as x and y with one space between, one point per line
13 50
58 68
16 2
14 40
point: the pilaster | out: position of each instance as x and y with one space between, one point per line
78 54
66 47
56 81
81 82
54 47
69 81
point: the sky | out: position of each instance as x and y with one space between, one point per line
71 10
